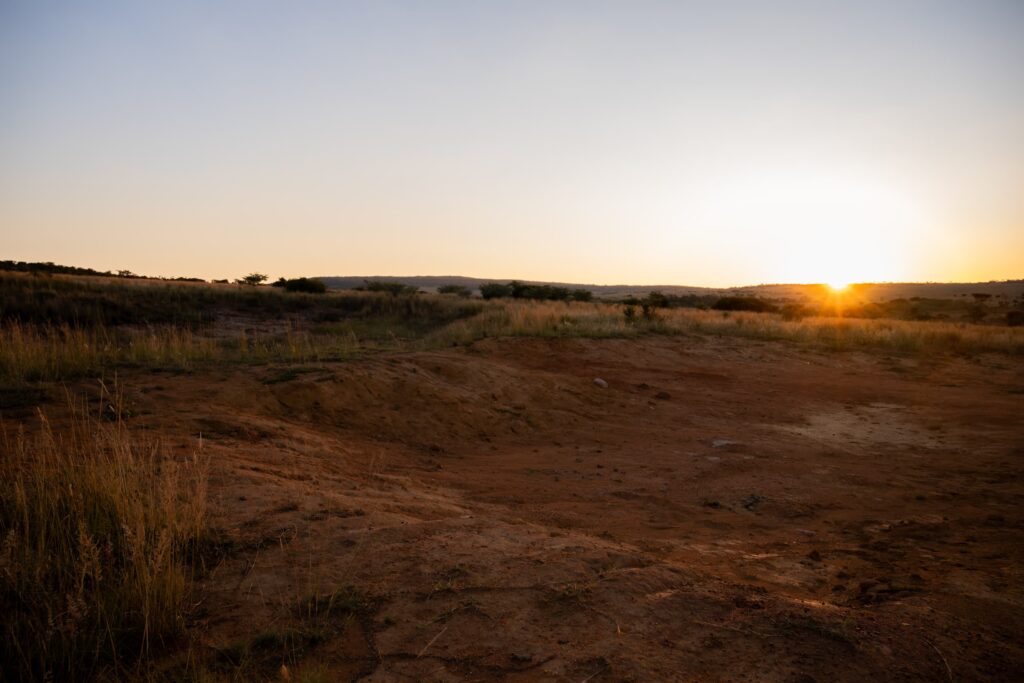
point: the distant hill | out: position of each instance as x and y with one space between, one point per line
886 291
1005 290
430 283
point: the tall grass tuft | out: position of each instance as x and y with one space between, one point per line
98 528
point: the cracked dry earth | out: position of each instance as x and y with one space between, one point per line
724 510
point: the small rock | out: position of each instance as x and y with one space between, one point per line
814 556
515 657
752 501
600 382
722 443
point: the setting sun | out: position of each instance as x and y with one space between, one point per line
837 286
817 220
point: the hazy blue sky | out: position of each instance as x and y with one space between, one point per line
646 142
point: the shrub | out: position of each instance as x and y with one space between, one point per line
792 311
1015 318
744 303
976 313
523 290
301 284
392 288
657 299
458 290
495 290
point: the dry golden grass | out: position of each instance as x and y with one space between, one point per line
33 352
559 319
98 530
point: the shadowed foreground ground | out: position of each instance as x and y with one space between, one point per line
724 510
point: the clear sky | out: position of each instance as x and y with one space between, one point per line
706 143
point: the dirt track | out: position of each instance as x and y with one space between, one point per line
723 510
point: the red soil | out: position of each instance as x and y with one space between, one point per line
724 510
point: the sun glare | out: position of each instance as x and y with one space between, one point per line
837 286
808 223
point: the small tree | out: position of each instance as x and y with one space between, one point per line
252 279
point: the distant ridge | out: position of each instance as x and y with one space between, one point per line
430 283
883 291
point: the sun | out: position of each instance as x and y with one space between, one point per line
837 286
816 222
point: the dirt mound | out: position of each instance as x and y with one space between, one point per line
436 401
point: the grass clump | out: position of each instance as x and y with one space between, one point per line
98 533
341 603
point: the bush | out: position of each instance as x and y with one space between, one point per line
744 303
1015 318
392 288
793 311
457 290
495 290
301 284
657 299
522 290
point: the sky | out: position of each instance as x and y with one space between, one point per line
702 143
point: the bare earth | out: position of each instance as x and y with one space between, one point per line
725 510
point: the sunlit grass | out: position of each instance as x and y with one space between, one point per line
557 319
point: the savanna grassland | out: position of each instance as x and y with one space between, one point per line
216 482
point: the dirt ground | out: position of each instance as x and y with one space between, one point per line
722 510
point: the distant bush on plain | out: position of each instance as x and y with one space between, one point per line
457 290
745 303
301 284
522 290
392 288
